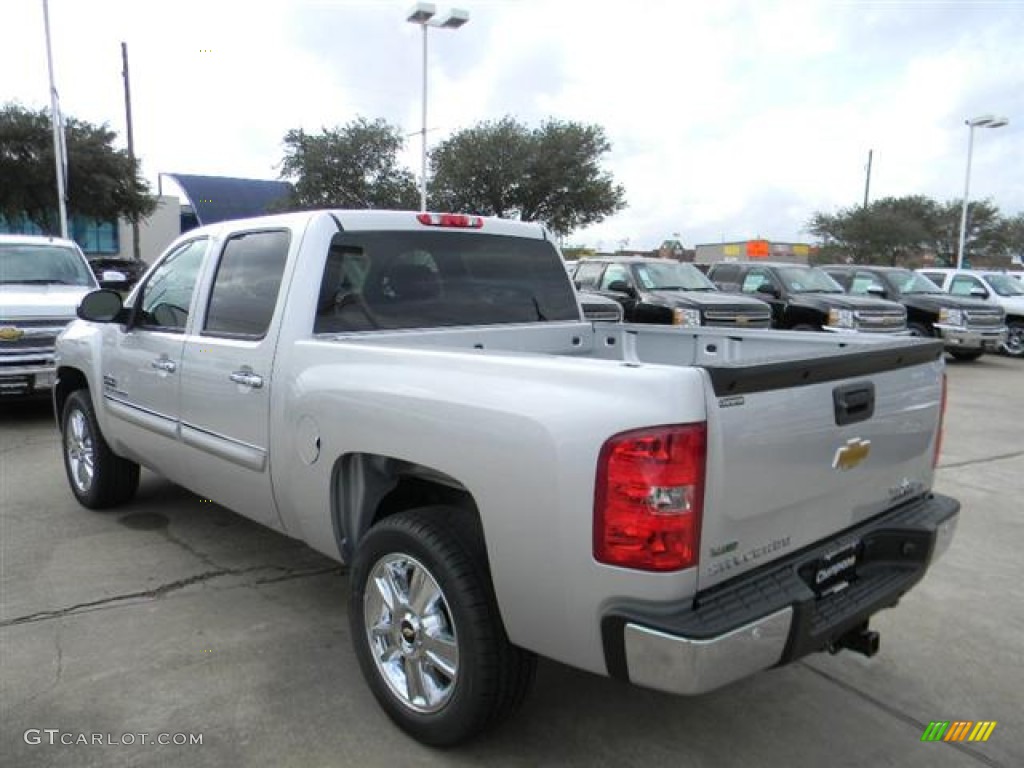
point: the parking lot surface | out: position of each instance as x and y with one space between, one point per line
172 618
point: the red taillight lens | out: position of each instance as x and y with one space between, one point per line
450 220
650 498
942 419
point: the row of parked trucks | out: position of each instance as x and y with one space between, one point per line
977 313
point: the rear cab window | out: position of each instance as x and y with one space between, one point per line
397 280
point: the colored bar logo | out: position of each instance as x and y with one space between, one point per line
958 730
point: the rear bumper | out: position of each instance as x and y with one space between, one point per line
773 616
958 337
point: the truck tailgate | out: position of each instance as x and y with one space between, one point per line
798 452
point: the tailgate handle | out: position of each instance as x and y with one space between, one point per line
854 402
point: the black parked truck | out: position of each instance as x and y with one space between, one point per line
969 327
805 298
667 292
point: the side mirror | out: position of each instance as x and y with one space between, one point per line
768 290
876 290
102 306
620 286
981 293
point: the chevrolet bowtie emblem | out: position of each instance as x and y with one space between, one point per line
852 453
10 333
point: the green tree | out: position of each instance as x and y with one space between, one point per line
1015 235
988 234
351 166
550 174
103 182
902 230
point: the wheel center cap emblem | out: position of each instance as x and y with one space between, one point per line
408 632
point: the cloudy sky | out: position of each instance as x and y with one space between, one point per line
728 120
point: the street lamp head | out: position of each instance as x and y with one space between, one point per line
454 19
421 13
989 121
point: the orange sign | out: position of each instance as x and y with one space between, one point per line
757 249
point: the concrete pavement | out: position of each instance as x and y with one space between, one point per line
174 616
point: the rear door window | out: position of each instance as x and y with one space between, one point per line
246 285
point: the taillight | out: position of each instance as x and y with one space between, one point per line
649 498
942 419
450 220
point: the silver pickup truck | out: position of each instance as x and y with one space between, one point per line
418 395
42 280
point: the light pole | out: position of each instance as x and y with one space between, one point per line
987 121
59 141
424 15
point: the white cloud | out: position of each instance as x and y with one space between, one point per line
727 119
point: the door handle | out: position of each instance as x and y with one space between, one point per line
164 364
247 379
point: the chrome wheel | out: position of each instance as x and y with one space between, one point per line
411 633
78 444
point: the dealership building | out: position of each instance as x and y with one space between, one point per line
750 250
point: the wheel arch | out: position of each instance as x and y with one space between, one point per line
367 487
68 380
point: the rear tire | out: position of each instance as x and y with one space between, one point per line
427 631
98 477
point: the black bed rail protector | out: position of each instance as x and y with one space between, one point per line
745 379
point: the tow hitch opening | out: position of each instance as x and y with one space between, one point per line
860 639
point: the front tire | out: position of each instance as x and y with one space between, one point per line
1014 344
426 628
98 477
966 355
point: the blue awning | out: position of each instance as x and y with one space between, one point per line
219 198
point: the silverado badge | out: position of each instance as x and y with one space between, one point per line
851 453
10 333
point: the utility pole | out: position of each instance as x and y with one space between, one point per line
136 250
59 148
867 181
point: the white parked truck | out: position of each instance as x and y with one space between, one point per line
419 396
